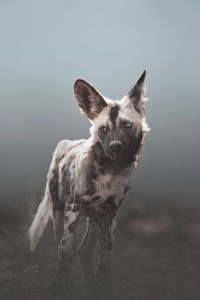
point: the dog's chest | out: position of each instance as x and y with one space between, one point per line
109 190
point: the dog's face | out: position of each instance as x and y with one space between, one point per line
118 125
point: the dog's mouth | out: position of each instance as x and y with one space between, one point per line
114 155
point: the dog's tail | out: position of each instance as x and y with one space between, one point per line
40 221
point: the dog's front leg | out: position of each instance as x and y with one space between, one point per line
71 214
106 236
86 253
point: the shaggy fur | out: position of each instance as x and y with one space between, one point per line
90 178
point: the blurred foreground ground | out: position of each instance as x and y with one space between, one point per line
156 256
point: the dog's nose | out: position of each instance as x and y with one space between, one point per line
115 147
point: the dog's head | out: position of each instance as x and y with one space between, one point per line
118 125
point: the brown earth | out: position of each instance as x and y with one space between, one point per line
156 256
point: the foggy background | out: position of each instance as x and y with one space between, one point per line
47 45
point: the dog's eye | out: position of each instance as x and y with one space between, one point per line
127 124
103 129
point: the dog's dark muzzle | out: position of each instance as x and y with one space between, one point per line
115 148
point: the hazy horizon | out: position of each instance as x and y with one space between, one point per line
47 45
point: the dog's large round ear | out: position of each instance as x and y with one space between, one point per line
137 95
89 99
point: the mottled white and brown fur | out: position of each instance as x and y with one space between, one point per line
90 178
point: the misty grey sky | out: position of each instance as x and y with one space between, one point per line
47 45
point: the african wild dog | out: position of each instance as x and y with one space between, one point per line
90 178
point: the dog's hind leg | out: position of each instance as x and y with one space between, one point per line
58 206
58 223
86 252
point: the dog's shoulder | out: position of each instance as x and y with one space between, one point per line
65 146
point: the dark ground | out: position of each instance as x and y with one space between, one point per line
156 256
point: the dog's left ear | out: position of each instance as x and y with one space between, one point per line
137 94
89 99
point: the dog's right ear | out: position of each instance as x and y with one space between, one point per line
89 99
